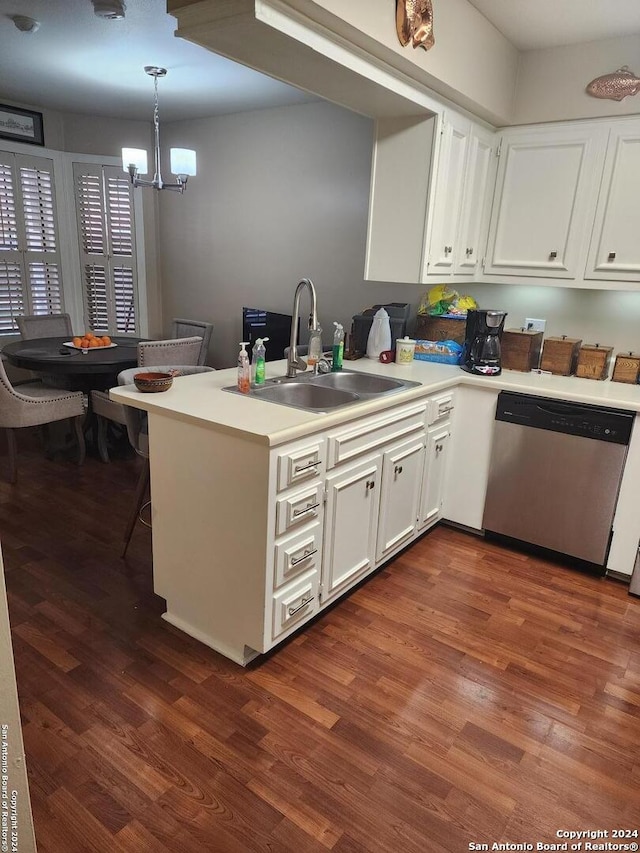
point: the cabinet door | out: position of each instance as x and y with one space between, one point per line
351 517
400 170
402 469
545 197
434 475
445 213
615 247
478 189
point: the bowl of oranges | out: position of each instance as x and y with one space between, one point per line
90 341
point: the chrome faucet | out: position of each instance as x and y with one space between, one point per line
294 362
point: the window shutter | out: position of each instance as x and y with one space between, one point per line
104 205
30 277
8 224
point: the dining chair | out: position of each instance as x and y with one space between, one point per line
37 404
137 431
183 351
185 328
44 326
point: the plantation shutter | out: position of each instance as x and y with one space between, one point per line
30 269
106 229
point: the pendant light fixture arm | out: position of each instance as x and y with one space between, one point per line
183 157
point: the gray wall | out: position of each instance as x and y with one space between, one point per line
280 194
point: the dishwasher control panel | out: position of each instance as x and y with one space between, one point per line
594 422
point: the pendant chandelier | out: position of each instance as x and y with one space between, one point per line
134 160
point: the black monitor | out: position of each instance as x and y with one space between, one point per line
260 323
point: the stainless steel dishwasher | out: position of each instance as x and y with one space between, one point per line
555 474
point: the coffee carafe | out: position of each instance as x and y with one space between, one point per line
481 351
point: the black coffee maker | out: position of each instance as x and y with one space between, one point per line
481 351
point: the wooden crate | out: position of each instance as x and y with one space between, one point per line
560 355
520 349
440 328
626 368
594 361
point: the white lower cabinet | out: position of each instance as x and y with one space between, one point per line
304 522
402 473
434 475
351 518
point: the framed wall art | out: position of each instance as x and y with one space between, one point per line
21 125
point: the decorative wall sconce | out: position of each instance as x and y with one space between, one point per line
414 23
615 86
134 160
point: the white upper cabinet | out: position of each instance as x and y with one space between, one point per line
614 253
449 186
463 180
400 172
478 191
546 191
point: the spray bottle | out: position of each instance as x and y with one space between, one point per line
244 369
257 362
338 348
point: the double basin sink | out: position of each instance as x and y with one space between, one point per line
326 391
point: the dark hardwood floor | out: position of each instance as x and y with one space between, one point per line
465 695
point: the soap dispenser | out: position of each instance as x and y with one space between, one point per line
244 369
315 346
338 348
258 361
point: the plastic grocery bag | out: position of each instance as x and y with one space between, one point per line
379 338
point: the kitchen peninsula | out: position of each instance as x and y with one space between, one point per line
264 514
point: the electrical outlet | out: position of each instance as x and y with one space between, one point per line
535 325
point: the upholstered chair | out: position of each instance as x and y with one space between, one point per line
183 351
187 328
36 404
136 423
44 326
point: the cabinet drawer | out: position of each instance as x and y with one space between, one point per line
371 433
296 466
440 407
295 604
298 508
297 554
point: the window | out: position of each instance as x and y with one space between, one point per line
30 267
104 208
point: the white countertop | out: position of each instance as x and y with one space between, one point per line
199 398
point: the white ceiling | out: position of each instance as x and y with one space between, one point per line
77 62
530 24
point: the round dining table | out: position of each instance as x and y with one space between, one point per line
94 369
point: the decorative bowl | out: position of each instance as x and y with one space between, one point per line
151 383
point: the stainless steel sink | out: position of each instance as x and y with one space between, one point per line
305 395
359 383
326 391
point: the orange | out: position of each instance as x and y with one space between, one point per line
77 342
106 340
94 342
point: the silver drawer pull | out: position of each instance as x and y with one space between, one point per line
443 410
308 553
293 610
298 512
300 468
